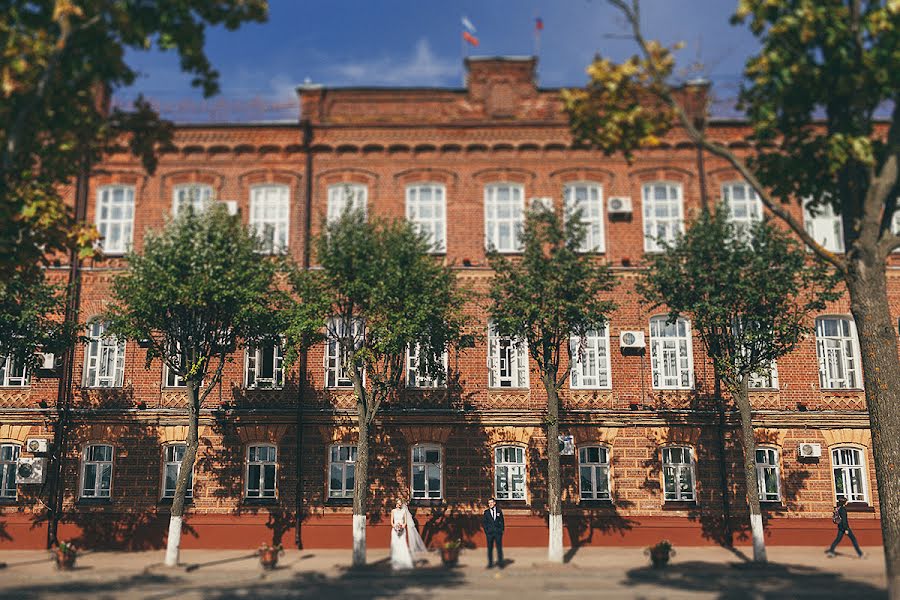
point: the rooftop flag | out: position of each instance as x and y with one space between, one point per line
468 25
470 38
538 24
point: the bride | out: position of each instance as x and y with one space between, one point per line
406 543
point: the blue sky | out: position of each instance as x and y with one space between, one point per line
417 43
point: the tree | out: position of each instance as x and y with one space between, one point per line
812 96
378 293
61 61
548 298
198 288
749 295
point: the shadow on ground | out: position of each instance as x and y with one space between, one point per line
740 581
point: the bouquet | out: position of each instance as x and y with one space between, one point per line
398 529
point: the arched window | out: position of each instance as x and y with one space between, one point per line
509 473
345 196
743 205
849 474
838 352
507 360
593 472
104 359
341 470
678 474
427 471
172 457
663 214
96 471
671 354
587 197
196 195
115 218
9 456
260 474
767 474
590 360
504 216
426 208
270 207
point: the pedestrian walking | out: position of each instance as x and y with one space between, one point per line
839 518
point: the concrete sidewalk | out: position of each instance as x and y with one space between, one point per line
611 572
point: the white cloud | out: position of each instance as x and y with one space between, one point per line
422 67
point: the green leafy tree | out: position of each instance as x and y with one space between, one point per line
812 96
749 295
377 293
198 288
545 298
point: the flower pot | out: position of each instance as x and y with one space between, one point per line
450 556
659 557
268 559
65 561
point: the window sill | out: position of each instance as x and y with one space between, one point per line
16 387
679 504
675 389
426 502
259 502
588 389
168 501
860 507
594 503
339 502
772 505
845 390
8 501
765 389
93 502
509 389
269 389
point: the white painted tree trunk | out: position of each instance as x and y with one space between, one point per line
759 539
174 542
555 547
359 539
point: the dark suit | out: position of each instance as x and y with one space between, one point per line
844 527
493 530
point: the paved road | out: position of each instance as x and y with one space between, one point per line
591 573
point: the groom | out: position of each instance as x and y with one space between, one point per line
493 529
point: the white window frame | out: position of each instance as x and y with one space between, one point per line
13 372
678 469
844 468
104 359
509 465
501 215
667 227
270 216
99 464
171 379
434 220
590 369
671 354
597 471
120 198
770 464
342 194
175 463
825 227
419 463
588 196
200 195
765 379
507 361
743 205
263 464
415 380
336 375
9 456
345 465
839 355
254 357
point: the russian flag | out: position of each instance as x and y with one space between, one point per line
538 24
470 38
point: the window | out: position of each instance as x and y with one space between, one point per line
174 453
9 455
590 360
588 197
743 205
265 367
345 196
96 471
765 379
426 207
261 471
671 355
13 372
507 361
427 470
336 374
195 195
849 474
173 379
663 214
115 218
414 379
341 471
678 473
269 216
509 473
824 226
838 353
503 216
593 470
104 361
767 474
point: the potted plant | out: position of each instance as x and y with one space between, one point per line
65 555
660 553
450 552
268 555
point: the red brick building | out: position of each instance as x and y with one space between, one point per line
653 456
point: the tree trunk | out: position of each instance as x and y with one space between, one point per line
554 482
361 481
187 467
741 395
867 284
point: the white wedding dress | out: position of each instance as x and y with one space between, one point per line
406 545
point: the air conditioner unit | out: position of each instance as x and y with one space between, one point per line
542 203
566 445
631 339
619 205
810 450
231 206
48 361
31 470
36 445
